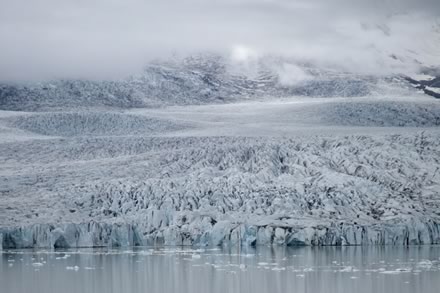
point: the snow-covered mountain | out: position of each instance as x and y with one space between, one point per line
201 79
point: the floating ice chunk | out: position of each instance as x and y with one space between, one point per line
404 270
37 264
390 272
63 257
74 268
425 264
347 269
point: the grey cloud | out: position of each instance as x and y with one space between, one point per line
104 39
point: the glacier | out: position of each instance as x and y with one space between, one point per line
204 191
189 154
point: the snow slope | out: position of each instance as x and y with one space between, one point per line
297 171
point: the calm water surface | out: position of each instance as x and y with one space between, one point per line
331 269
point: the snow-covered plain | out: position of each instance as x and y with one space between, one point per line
291 171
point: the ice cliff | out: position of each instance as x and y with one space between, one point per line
92 234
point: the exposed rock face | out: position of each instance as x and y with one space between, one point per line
430 86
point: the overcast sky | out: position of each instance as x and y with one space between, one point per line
101 39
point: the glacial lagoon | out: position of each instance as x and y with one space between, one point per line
376 269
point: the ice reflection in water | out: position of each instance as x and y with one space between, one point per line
306 269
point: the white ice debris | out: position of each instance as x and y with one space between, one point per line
421 77
433 89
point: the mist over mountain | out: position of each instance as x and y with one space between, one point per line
111 40
200 79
